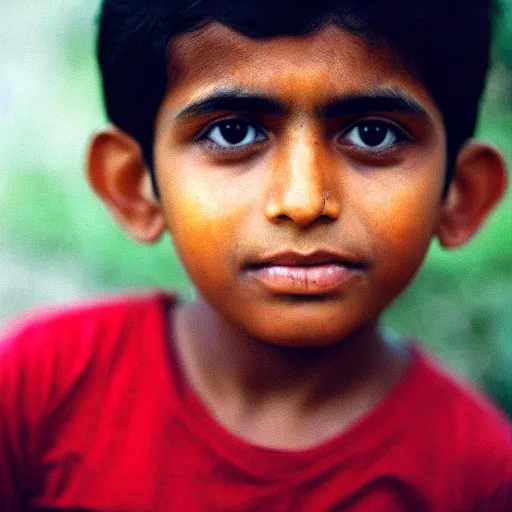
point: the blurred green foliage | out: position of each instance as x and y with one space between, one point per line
57 243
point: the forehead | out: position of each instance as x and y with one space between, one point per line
308 69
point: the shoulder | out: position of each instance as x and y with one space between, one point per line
471 412
79 325
60 369
57 348
475 436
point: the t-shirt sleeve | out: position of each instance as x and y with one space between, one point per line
13 423
45 366
500 500
488 463
24 393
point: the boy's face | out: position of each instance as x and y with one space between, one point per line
301 179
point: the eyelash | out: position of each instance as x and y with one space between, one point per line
400 136
204 136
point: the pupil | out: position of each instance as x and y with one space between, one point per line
373 133
234 131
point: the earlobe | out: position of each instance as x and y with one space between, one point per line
119 176
476 188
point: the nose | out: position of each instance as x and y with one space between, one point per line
301 190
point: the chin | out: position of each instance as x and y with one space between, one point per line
299 323
301 343
301 334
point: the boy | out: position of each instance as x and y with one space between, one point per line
302 159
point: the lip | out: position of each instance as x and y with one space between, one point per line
314 273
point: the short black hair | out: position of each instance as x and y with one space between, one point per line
446 43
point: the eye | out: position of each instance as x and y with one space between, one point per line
233 133
375 135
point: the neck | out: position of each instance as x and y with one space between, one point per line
236 375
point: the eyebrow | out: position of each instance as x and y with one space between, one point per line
233 101
386 100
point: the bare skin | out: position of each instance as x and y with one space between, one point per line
280 397
302 181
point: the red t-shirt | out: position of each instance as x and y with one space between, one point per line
95 414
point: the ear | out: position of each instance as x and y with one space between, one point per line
120 178
478 184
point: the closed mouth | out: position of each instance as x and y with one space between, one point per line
311 259
316 273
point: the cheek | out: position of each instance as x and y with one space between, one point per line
404 228
401 220
204 220
402 209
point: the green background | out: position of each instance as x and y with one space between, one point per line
57 244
